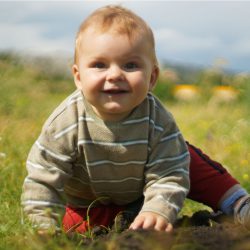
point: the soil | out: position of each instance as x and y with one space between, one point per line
203 231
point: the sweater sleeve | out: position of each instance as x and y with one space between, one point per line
167 172
49 166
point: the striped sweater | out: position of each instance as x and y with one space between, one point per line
79 158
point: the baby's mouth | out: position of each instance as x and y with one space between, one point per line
115 91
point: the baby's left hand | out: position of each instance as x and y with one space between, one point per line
150 220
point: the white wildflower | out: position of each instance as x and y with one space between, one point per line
2 155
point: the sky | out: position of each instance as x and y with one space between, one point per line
197 33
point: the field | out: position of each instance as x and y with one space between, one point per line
30 90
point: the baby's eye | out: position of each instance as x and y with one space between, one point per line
131 65
98 65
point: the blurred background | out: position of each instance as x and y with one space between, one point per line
197 33
198 42
204 53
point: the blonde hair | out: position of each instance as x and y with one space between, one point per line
119 19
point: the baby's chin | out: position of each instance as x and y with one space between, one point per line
113 112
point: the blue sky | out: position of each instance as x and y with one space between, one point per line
188 32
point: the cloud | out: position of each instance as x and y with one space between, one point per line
175 41
241 48
27 38
173 45
188 31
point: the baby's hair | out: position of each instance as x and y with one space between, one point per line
121 21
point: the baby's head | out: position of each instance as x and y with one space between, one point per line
115 62
118 20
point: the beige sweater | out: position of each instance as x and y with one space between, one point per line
79 158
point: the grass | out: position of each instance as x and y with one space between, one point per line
28 94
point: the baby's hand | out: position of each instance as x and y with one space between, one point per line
150 220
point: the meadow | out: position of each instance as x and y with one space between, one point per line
30 90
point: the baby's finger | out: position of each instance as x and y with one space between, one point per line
137 223
149 223
169 228
161 225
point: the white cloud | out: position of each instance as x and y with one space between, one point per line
175 41
241 48
27 38
195 31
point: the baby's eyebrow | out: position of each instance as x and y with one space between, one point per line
133 57
98 58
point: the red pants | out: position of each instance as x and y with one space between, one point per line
209 182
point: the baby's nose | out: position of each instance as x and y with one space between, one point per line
115 73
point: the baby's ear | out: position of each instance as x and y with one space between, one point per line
76 75
154 77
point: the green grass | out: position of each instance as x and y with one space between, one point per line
28 94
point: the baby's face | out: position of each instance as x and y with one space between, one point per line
114 73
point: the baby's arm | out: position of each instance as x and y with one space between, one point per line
150 220
43 188
166 171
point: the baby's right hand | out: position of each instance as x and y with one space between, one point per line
150 220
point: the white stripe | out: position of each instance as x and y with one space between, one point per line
167 159
170 170
128 143
66 130
42 203
75 97
74 101
71 127
79 180
96 163
117 181
43 225
60 190
83 118
160 197
146 118
181 171
151 98
156 126
28 180
75 94
174 169
169 137
169 186
46 226
142 120
38 166
114 192
57 156
72 154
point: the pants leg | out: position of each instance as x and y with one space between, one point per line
209 179
75 219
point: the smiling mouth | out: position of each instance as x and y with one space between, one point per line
115 91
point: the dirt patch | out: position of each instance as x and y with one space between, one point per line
203 231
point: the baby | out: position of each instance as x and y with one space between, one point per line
111 138
111 146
